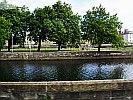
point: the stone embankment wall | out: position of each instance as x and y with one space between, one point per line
69 90
64 55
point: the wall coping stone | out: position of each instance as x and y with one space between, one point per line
66 55
53 86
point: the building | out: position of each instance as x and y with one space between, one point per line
128 36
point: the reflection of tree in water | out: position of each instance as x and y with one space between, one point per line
5 72
116 73
58 70
68 71
99 74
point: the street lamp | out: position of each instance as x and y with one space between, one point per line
29 45
12 42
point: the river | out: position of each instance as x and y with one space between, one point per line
65 70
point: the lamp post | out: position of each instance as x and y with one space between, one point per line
12 42
30 46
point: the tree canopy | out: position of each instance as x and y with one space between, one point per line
18 16
66 24
100 27
59 24
22 24
40 24
4 31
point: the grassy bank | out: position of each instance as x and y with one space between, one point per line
65 49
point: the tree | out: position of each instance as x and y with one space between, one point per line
18 16
40 24
100 27
74 28
4 31
22 16
9 12
66 27
58 33
56 23
14 15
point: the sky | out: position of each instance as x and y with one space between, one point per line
122 7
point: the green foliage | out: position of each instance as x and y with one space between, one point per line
18 16
40 24
9 14
100 27
56 23
59 24
4 31
66 29
22 16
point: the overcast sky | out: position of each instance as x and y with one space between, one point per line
122 7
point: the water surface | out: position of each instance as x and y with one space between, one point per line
65 70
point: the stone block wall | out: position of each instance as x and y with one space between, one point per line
68 90
65 55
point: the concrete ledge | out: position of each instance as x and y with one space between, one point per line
62 86
65 55
68 90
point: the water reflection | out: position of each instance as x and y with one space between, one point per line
68 70
101 71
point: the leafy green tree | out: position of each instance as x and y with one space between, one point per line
22 16
40 24
9 12
56 23
18 16
66 27
14 16
4 31
74 28
58 33
100 27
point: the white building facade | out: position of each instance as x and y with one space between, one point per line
128 36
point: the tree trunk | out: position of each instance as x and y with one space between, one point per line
99 46
23 42
39 44
59 46
9 45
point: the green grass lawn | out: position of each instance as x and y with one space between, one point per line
42 49
64 49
